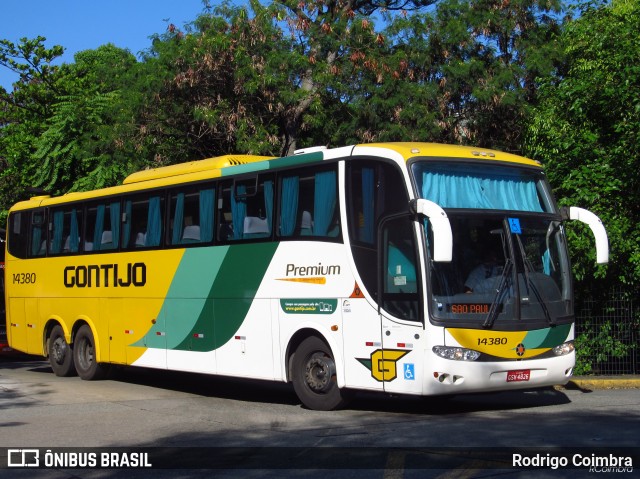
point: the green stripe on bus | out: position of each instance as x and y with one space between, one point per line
547 338
285 162
233 290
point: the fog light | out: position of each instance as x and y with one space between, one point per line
456 354
564 349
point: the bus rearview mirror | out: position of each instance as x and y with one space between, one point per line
442 235
597 228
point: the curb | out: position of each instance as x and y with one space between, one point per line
600 382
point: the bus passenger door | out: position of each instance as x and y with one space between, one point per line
399 306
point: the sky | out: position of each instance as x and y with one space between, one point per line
86 24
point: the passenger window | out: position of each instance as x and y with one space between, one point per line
246 209
309 205
17 233
65 226
38 234
103 227
143 219
192 216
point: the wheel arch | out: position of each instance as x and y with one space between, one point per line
86 320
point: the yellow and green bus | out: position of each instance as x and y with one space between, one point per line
404 268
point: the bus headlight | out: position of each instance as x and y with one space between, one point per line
455 353
564 349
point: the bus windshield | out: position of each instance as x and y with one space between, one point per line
509 266
486 187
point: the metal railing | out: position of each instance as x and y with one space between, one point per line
608 334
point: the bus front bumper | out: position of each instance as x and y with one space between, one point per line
446 376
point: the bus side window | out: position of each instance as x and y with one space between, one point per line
246 209
64 230
225 215
38 236
399 277
16 234
143 223
103 227
374 189
309 205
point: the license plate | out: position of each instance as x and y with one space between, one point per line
522 375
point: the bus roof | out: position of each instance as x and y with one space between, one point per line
227 165
180 169
410 150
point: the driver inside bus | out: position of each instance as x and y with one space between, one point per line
484 278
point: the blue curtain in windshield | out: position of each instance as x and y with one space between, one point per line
324 202
289 206
463 188
206 214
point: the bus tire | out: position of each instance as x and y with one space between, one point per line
314 376
60 353
84 356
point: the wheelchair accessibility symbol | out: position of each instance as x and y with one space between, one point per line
409 372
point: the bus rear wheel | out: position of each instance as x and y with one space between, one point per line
314 376
84 355
60 353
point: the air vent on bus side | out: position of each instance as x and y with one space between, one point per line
193 167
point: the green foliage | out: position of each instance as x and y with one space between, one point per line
586 130
63 126
462 73
599 343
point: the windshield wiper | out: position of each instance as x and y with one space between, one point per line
494 309
528 269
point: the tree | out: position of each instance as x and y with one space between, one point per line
81 147
464 72
585 131
24 111
219 86
335 42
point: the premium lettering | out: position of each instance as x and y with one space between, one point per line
105 275
315 270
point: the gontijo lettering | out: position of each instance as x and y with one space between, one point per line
105 275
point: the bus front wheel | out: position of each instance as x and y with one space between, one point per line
314 376
84 355
60 353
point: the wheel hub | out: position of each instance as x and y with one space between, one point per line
59 350
319 373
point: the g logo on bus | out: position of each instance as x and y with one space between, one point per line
383 363
520 349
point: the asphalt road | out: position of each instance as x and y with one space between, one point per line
260 430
